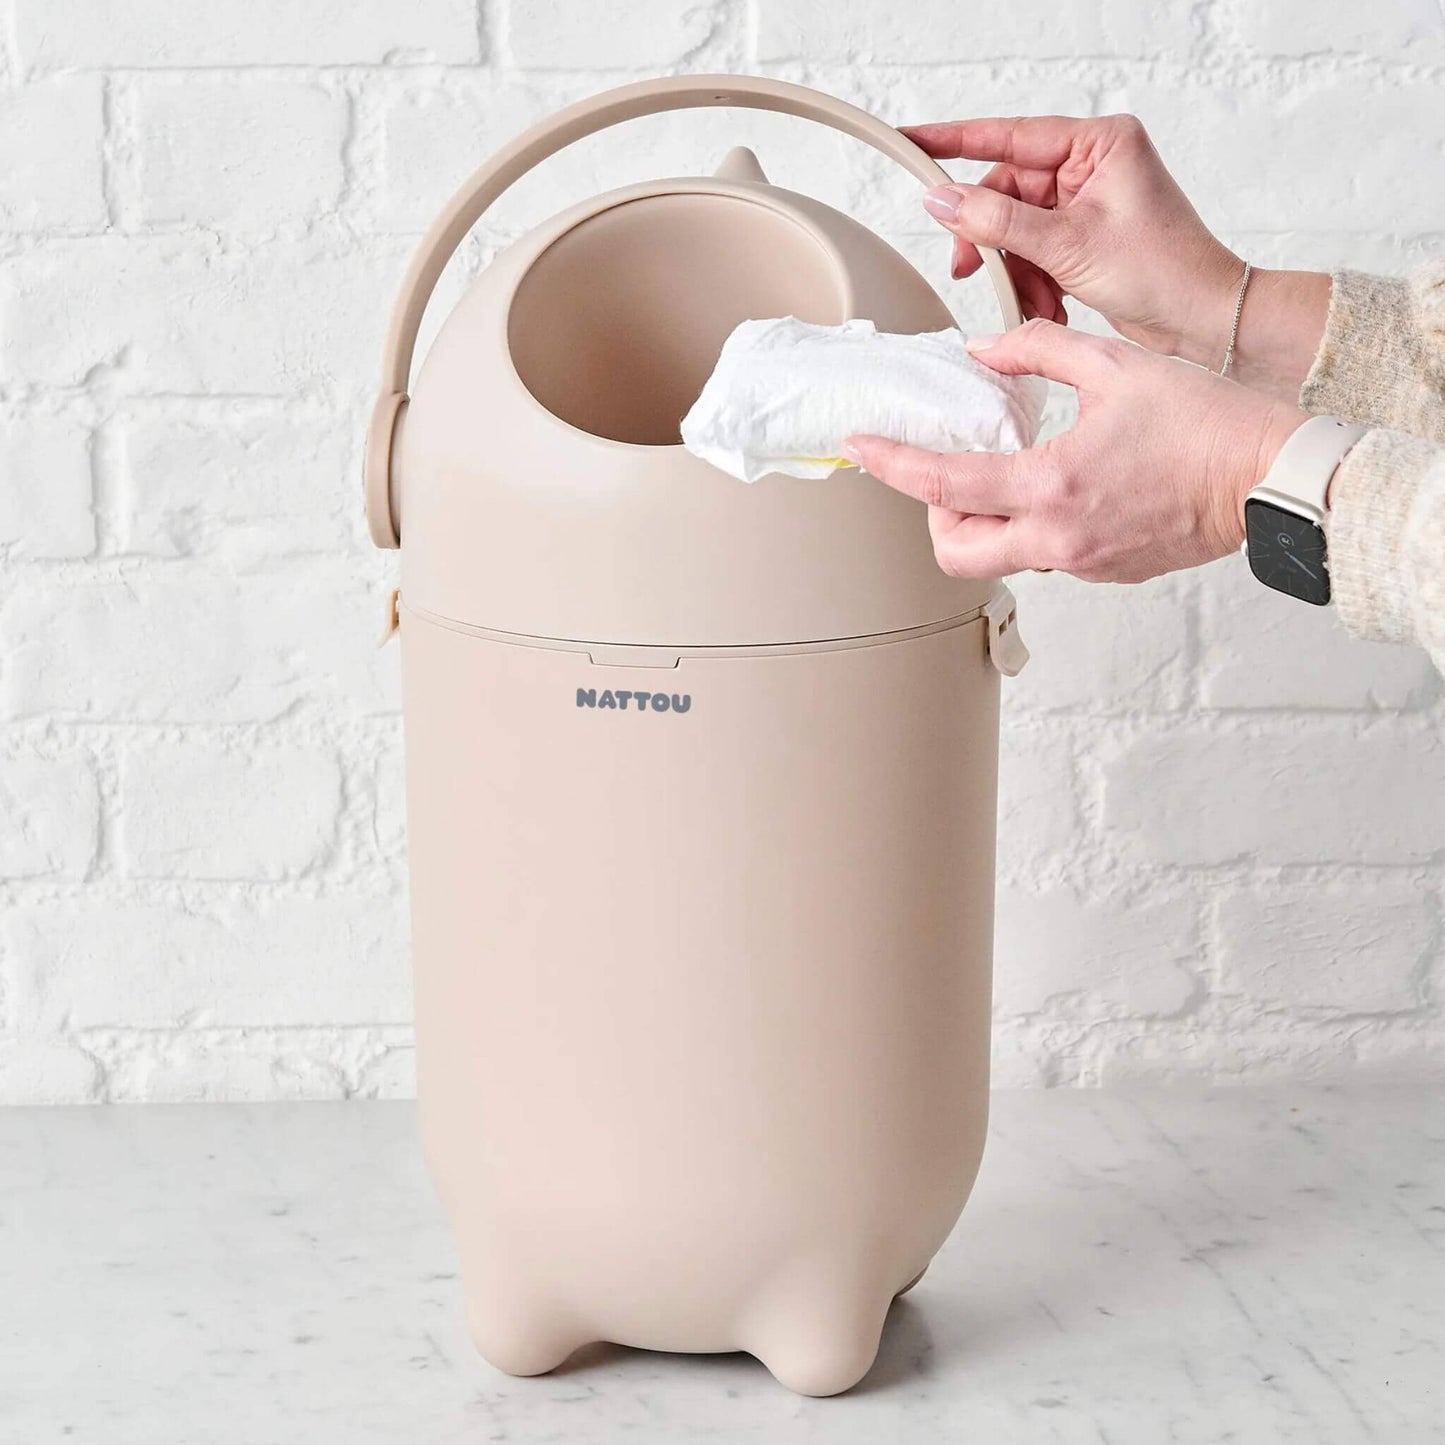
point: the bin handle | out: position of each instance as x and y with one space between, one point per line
598 112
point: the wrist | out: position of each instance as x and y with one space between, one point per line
1257 448
1203 337
1277 424
1280 326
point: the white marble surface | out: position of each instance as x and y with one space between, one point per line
1239 1265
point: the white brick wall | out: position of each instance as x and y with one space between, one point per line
1221 821
203 150
40 124
199 810
46 503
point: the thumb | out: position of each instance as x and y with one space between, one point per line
991 218
1044 348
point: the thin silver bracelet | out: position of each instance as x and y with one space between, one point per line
1234 328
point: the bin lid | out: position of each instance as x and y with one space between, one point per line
544 487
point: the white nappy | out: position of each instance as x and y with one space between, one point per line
785 394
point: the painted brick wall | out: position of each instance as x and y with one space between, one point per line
1222 821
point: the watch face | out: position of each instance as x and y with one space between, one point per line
1286 552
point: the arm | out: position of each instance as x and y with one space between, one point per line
1152 478
1086 208
1367 348
1380 360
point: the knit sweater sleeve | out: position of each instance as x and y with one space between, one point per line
1381 362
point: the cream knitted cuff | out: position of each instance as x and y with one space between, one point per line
1373 535
1369 355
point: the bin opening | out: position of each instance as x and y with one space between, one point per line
618 323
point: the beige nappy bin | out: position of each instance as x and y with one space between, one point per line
700 782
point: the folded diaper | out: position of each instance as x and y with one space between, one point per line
785 394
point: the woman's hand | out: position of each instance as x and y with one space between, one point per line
1151 479
1085 208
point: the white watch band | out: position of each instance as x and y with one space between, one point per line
1299 478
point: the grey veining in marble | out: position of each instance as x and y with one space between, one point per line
1251 1265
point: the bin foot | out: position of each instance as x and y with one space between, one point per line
520 1339
817 1336
911 1282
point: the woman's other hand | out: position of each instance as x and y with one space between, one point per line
1151 478
1086 208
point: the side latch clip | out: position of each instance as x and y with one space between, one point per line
1006 648
393 617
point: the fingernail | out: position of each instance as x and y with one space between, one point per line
982 343
852 452
942 203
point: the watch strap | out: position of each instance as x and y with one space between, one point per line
1302 470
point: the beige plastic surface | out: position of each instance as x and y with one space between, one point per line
702 992
617 325
517 520
585 118
741 164
702 997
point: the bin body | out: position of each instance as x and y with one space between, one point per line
702 995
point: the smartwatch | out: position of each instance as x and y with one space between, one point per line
1284 516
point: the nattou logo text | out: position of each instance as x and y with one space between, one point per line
621 700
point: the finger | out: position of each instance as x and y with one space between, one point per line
991 218
961 481
1034 287
966 259
1044 348
1038 188
1038 141
934 138
1055 309
978 546
1061 309
942 520
1035 187
1039 294
1036 293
